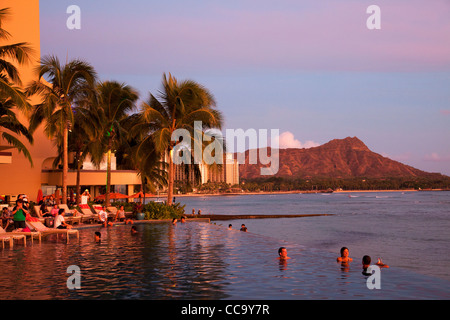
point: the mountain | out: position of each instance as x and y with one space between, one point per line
338 158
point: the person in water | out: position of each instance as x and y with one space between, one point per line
344 258
366 260
282 253
97 236
134 230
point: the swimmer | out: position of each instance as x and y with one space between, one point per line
174 221
133 230
229 226
344 256
97 236
243 228
366 264
282 253
183 219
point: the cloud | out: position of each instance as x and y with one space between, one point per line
435 157
287 140
445 112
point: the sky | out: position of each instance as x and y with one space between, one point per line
313 70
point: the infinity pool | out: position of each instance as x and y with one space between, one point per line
193 261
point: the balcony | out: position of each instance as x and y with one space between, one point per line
90 177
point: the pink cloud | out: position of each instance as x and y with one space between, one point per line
435 157
287 140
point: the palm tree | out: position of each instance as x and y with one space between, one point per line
178 106
140 154
9 121
60 92
82 141
10 94
114 101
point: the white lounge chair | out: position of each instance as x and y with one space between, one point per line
88 215
112 211
11 239
31 234
38 226
8 238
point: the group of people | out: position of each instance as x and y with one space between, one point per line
243 227
107 221
199 211
17 216
344 259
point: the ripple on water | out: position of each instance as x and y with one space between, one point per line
194 261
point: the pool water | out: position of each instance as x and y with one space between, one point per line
194 261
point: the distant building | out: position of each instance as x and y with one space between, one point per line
228 172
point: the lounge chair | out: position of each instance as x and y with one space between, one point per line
8 238
37 210
88 215
31 234
97 208
112 211
38 226
11 238
70 217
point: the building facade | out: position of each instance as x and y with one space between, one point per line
16 174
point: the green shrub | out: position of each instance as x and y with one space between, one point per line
159 210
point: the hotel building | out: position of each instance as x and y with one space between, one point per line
17 175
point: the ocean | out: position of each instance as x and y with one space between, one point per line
207 261
408 230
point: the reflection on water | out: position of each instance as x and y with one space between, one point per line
192 261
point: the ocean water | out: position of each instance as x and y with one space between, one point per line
193 261
408 230
199 260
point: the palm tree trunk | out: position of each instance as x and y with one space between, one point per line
171 176
65 164
108 178
78 188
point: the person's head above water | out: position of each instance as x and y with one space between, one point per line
366 260
282 253
344 252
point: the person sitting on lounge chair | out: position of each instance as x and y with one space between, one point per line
54 211
6 218
60 223
120 215
44 212
103 217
